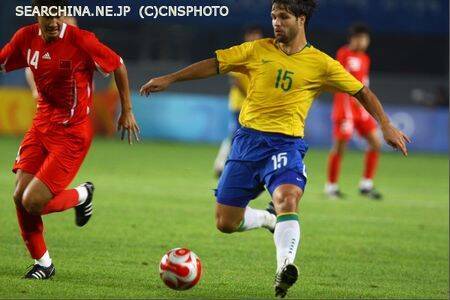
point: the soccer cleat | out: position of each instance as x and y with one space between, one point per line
285 279
83 212
41 273
335 195
271 209
371 194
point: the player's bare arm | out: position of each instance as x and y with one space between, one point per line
127 123
203 69
30 80
394 137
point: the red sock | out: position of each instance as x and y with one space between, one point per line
371 163
61 202
334 167
32 230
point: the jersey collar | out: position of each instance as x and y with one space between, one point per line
61 34
63 30
308 45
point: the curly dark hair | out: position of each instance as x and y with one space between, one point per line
298 7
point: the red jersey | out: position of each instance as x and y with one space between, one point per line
63 71
357 64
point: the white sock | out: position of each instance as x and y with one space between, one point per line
331 188
222 156
82 194
44 261
366 184
287 239
257 218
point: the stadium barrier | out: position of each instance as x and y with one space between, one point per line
17 108
200 118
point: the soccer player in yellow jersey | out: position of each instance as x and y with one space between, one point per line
238 93
286 74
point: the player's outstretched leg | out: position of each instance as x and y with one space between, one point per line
366 186
84 210
286 236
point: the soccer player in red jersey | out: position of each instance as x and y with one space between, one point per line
349 115
63 59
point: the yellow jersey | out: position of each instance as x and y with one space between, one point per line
282 87
236 96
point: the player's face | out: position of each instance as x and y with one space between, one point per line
286 26
360 42
253 36
50 27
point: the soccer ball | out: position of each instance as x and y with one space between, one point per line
180 269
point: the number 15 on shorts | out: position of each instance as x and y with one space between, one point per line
280 160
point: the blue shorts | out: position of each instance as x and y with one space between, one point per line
257 160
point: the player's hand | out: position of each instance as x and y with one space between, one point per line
395 138
128 126
155 85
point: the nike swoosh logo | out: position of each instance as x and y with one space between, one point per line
266 61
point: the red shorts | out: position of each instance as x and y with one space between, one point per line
343 129
54 156
349 115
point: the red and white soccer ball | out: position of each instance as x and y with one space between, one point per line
180 269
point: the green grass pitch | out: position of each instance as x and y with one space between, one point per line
156 196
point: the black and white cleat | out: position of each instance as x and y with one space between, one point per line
372 194
41 273
285 279
83 212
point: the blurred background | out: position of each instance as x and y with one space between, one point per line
409 51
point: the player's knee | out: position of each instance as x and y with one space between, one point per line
18 192
226 226
32 204
17 196
339 147
286 200
375 145
340 151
